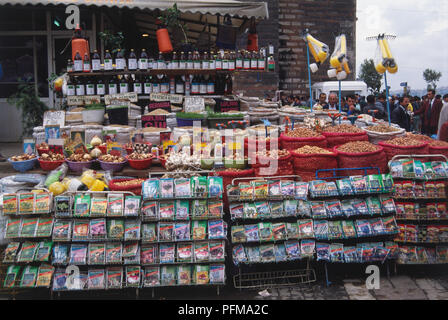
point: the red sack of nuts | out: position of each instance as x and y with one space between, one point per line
404 145
300 137
260 145
131 185
280 171
308 159
337 138
438 147
359 154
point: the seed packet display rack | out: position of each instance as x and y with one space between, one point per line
421 210
267 279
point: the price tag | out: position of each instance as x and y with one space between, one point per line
130 96
194 104
165 105
82 100
228 105
154 121
54 118
173 98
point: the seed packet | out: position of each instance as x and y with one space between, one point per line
238 254
233 191
182 210
78 254
184 275
60 253
292 230
407 190
246 191
348 227
318 210
97 228
10 204
318 188
131 205
150 210
82 205
421 255
359 184
202 275
26 203
279 231
418 190
114 277
200 186
276 208
367 253
201 252
238 234
98 207
43 251
306 228
439 169
262 209
388 182
250 210
320 229
29 276
12 275
332 189
360 206
149 232
168 275
199 231
44 227
11 252
253 254
217 273
148 254
390 224
261 189
62 206
185 252
59 280
323 251
287 188
166 253
440 190
292 250
265 231
236 210
131 253
280 253
182 231
275 189
363 228
387 205
347 208
334 208
215 187
151 277
166 231
133 276
132 230
97 279
216 229
441 210
113 253
251 232
267 253
290 207
374 183
115 203
335 230
13 227
419 170
182 188
396 169
442 254
337 252
150 189
377 226
115 229
80 230
42 202
307 247
97 253
216 251
44 276
28 227
304 208
345 187
374 205
350 254
199 208
301 190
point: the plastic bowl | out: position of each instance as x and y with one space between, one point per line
112 166
50 165
140 164
23 166
162 161
78 166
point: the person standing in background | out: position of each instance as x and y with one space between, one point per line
430 112
373 106
322 101
400 114
443 118
333 102
416 120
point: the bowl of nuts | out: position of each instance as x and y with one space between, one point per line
50 161
77 162
140 161
23 162
111 162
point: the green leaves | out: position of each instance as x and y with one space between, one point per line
432 77
112 42
369 75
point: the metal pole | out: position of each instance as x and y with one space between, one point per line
309 75
340 101
387 96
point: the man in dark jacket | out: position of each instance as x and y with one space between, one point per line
430 111
373 106
400 115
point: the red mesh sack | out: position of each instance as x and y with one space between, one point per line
282 162
337 138
286 171
437 150
313 162
291 143
365 159
134 188
392 150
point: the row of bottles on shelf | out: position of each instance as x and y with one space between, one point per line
185 85
222 60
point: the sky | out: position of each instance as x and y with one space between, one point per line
421 27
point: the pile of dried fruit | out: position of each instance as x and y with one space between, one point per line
343 128
311 150
132 182
404 141
302 132
75 157
273 154
438 143
23 157
382 128
140 156
52 156
358 147
112 158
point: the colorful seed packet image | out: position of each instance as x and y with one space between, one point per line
279 231
182 231
292 250
98 207
202 275
27 252
217 273
267 253
11 277
97 253
80 230
151 189
42 202
150 210
133 276
11 252
238 254
167 253
149 232
182 210
323 251
44 276
166 188
253 254
201 251
151 277
307 247
26 203
78 254
28 227
236 210
115 204
98 228
115 229
216 229
215 208
148 254
13 227
132 230
114 277
62 206
182 188
168 275
114 253
10 204
217 252
166 231
199 230
131 205
96 279
60 253
29 276
185 252
166 210
199 208
43 251
280 253
44 227
82 205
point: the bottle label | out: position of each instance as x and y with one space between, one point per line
232 65
112 88
197 65
169 65
182 65
218 64
152 64
143 64
179 88
165 88
190 65
203 88
271 65
71 90
138 88
120 63
77 65
96 64
90 89
132 64
108 64
124 88
246 64
210 88
253 64
261 64
156 88
148 88
195 88
79 89
175 65
86 66
205 65
239 63
100 89
225 65
161 65
212 64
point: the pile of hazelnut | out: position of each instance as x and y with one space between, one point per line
23 157
50 156
111 158
76 157
140 156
